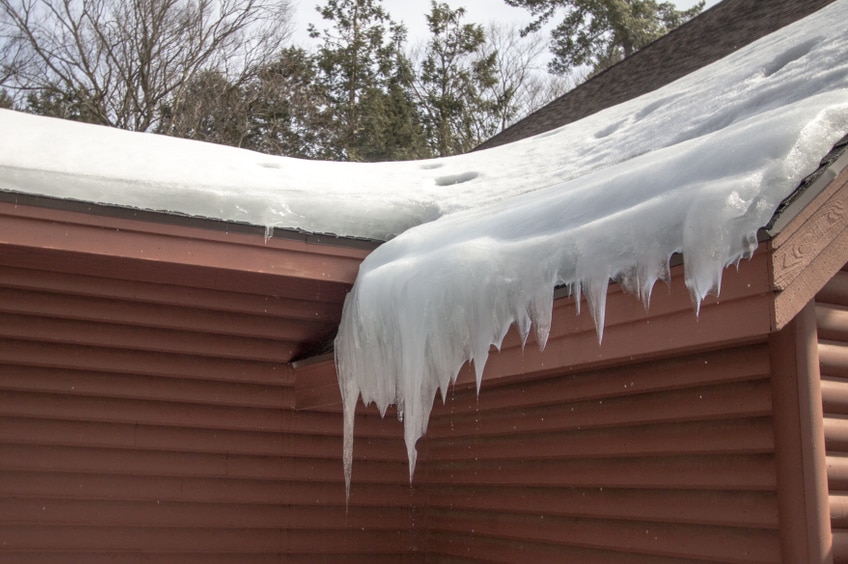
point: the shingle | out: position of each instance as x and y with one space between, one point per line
714 34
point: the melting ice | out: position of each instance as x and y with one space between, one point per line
696 168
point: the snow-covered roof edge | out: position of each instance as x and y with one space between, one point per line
715 33
168 217
830 167
443 293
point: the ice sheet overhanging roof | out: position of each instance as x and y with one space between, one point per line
696 167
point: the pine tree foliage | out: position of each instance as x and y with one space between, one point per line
6 101
599 33
365 74
455 82
277 112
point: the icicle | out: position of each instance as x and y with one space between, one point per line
596 297
350 397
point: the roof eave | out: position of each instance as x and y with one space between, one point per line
808 237
162 217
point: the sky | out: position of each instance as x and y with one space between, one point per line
412 13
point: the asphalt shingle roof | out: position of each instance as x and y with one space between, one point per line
712 35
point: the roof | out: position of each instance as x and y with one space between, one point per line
430 321
714 34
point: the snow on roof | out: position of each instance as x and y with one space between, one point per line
694 167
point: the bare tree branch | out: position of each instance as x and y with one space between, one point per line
122 61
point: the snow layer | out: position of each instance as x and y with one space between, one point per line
695 167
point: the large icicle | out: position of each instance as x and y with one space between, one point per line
441 294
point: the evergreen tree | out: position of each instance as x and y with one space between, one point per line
599 33
455 76
212 109
53 101
363 71
277 112
286 108
6 101
393 129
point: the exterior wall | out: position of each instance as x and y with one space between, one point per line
832 317
800 441
149 412
148 415
655 446
651 462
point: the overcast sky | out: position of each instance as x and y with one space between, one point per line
412 13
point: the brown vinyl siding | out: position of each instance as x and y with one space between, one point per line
650 462
147 409
656 446
154 411
832 317
190 457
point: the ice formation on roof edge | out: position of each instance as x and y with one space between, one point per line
441 294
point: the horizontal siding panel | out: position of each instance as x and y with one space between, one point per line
148 413
836 434
832 326
454 547
527 388
14 430
290 284
750 399
585 463
832 322
45 458
713 543
147 407
656 335
49 512
114 410
122 361
833 358
204 541
149 557
837 471
840 546
839 509
183 414
834 395
725 366
169 294
724 436
835 292
226 490
717 508
171 317
143 339
142 387
732 472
